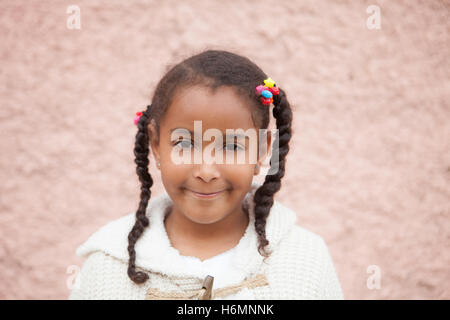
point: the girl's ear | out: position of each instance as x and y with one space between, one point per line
153 140
264 156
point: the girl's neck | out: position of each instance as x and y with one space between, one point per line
205 240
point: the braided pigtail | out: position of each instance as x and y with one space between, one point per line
264 195
141 150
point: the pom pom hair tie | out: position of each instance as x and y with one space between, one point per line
266 92
138 116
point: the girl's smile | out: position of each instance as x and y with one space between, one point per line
206 196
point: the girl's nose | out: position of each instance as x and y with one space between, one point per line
206 172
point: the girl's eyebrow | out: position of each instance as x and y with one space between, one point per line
237 135
184 129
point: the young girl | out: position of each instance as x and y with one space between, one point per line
215 234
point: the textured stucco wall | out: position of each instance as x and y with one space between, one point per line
369 167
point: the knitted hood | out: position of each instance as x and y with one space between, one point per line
154 251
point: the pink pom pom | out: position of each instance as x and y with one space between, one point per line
136 119
260 89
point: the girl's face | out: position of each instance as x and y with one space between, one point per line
184 181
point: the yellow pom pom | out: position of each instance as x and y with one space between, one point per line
269 83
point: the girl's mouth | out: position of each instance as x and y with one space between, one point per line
205 195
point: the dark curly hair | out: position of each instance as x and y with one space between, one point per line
212 68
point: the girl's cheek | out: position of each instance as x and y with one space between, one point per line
239 171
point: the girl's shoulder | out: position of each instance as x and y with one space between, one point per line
304 257
300 245
297 234
301 242
112 238
109 238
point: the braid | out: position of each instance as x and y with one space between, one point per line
141 150
264 195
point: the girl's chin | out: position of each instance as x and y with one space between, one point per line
202 217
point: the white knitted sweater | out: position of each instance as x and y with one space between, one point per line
300 266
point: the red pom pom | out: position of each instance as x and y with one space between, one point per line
139 113
274 90
265 101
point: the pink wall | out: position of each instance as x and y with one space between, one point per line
369 168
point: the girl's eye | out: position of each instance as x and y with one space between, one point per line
235 147
187 143
230 147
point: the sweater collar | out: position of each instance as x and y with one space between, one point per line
155 253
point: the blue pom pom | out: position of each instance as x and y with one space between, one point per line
266 94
